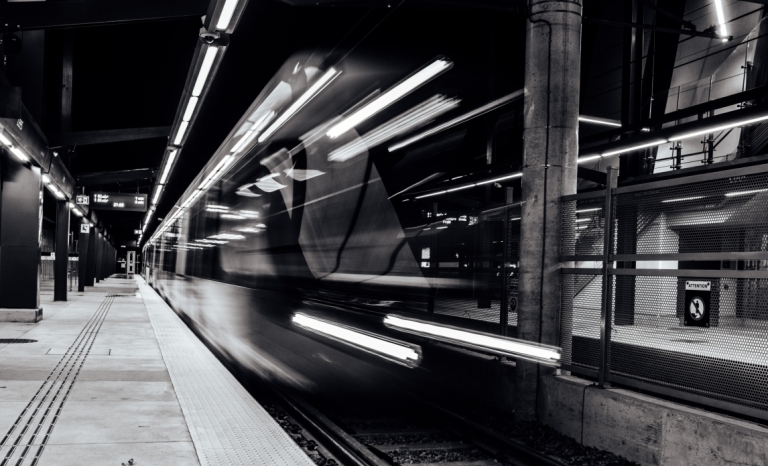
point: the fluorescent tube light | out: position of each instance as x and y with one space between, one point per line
216 173
502 178
479 183
745 193
578 220
458 120
180 132
508 346
655 142
600 121
683 199
431 194
158 191
20 154
190 108
168 165
719 128
592 209
313 90
391 96
232 216
367 341
721 19
205 69
226 15
588 158
46 179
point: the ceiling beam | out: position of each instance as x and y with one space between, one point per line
77 13
120 176
86 138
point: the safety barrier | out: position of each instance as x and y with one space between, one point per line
665 287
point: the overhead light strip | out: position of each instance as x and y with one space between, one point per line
205 70
391 96
472 185
600 121
168 165
225 17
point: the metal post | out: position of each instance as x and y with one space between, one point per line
61 264
504 302
605 303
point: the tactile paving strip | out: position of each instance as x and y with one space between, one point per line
226 424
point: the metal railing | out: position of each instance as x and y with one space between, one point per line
665 287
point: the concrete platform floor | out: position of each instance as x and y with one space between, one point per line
114 374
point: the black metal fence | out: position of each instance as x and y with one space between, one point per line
665 287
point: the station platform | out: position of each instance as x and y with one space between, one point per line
112 375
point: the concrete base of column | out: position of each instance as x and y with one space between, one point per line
21 315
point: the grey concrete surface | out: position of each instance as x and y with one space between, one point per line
113 393
649 430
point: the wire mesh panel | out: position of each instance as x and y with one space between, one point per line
726 359
583 224
580 320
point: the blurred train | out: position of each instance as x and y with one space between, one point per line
310 211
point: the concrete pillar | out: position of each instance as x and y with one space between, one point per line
98 257
90 267
552 64
61 265
82 252
21 204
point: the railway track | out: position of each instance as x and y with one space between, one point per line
415 433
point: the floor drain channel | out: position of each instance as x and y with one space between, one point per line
16 340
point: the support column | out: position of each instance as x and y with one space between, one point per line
99 254
61 265
90 267
552 64
82 252
21 204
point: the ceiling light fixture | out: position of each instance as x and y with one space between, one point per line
600 121
180 133
472 185
391 96
655 142
190 108
721 19
719 128
205 69
682 199
168 165
226 15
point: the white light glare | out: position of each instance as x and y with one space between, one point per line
655 142
364 340
19 153
458 120
180 132
226 15
719 128
168 165
593 209
588 158
472 185
682 199
4 139
190 108
721 19
232 216
158 192
519 348
46 179
217 172
313 90
745 193
205 69
600 121
407 121
391 96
